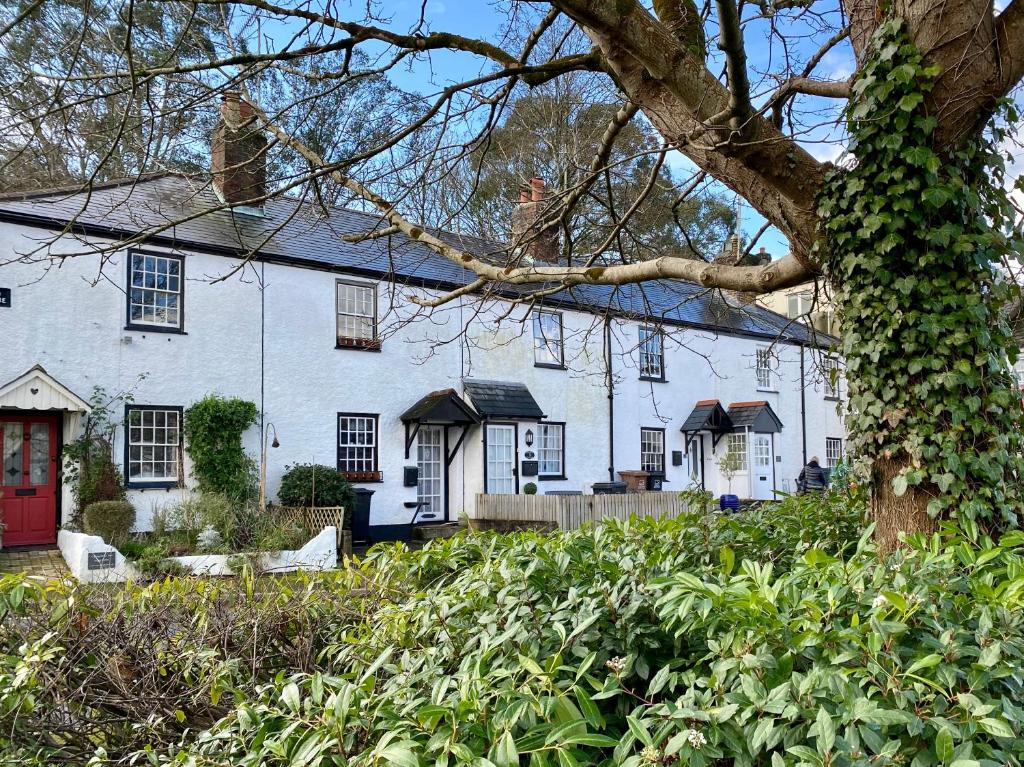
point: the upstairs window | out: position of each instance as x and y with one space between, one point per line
830 373
155 290
551 450
548 347
833 452
652 450
800 305
357 446
357 315
652 353
152 445
764 368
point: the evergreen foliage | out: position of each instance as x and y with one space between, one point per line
213 432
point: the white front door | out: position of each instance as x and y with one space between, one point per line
430 461
763 477
501 459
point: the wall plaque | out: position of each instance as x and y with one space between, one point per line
5 297
100 560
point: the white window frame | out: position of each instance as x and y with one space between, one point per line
804 303
153 436
652 450
764 368
652 362
548 351
833 451
736 444
551 449
358 452
354 304
829 363
150 284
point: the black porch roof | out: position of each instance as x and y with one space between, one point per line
503 399
757 415
707 415
444 406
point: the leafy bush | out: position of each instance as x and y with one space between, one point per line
529 489
111 520
310 484
732 640
213 431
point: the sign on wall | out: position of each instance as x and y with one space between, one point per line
5 297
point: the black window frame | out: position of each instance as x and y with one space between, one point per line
162 484
560 365
376 447
551 477
143 327
659 333
361 344
661 472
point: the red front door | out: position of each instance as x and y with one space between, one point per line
28 479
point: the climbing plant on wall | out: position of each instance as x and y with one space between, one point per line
213 438
914 240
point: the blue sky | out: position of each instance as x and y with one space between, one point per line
486 19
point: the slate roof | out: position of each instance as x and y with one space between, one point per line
758 415
177 210
707 415
444 406
503 399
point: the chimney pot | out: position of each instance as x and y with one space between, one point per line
537 185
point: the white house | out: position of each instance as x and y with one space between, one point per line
145 287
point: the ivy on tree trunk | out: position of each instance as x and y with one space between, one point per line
914 238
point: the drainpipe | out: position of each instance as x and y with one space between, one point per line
803 403
611 397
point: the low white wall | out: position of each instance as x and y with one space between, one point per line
320 553
109 564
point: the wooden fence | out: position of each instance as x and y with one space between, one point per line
571 511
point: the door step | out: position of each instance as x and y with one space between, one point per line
430 532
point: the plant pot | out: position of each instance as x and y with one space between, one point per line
728 502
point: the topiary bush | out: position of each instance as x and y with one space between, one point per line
111 520
310 484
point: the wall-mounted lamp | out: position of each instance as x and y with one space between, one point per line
529 438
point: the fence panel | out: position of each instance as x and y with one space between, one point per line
571 511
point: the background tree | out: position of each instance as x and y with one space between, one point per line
912 230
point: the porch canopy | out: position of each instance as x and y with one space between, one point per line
755 416
35 389
708 416
440 408
496 400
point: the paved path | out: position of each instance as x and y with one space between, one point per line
45 563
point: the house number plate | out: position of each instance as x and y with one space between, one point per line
5 297
100 560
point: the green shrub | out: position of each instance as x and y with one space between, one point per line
213 432
111 520
529 489
309 484
770 638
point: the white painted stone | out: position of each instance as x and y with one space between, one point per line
76 548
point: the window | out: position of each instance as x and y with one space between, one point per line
652 353
152 445
357 446
830 374
737 446
800 305
357 315
547 339
551 450
155 289
652 450
764 367
833 452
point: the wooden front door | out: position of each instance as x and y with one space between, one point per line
28 479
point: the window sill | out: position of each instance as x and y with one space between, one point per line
765 390
152 485
154 329
552 478
359 344
833 399
654 379
363 476
548 365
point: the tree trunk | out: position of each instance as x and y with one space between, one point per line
896 515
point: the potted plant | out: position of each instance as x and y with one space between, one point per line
729 465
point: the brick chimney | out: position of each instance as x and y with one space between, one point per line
239 153
541 245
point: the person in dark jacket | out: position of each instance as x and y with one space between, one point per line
812 477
